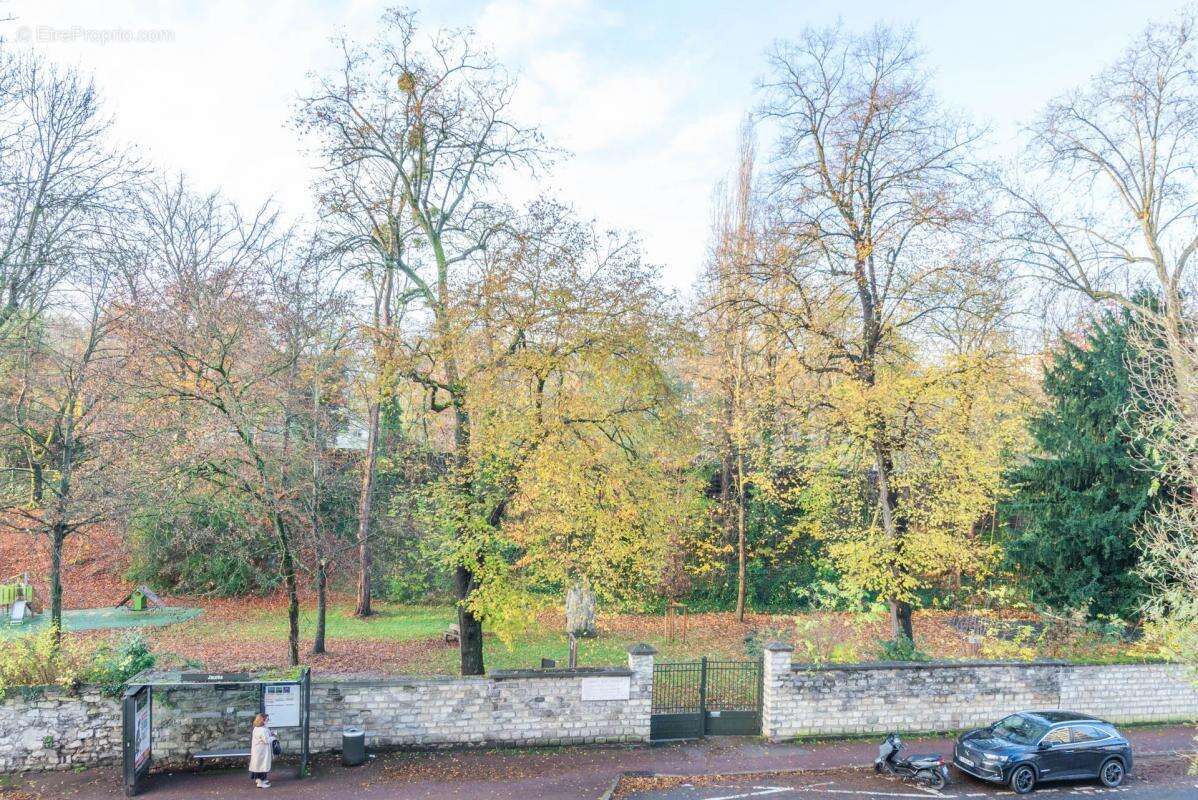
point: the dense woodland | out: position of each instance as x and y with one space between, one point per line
908 376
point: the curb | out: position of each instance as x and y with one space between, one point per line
611 787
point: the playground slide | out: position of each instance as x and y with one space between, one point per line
19 612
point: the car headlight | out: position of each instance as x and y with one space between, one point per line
995 759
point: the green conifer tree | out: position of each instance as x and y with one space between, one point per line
1078 501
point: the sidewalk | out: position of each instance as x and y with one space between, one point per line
574 773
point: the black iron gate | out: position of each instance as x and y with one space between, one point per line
705 698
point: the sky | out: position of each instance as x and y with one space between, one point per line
646 97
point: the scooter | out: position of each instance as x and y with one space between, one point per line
926 768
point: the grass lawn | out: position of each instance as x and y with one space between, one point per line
407 639
93 619
397 625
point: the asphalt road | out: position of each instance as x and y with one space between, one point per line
586 773
1164 780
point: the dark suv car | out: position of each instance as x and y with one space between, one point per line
1033 746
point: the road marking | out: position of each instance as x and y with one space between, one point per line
874 793
764 791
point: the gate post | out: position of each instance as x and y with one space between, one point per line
775 672
640 663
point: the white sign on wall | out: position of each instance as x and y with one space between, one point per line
281 701
141 729
606 688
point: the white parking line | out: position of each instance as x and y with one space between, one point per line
763 791
874 793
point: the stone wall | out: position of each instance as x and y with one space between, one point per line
51 729
535 707
518 709
802 700
1139 693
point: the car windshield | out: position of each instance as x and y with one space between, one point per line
1020 729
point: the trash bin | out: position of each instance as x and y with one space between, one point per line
353 747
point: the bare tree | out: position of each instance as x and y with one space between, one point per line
62 204
1169 537
868 186
216 359
313 323
58 170
417 134
66 411
1108 204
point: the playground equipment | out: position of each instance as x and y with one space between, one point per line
17 599
141 598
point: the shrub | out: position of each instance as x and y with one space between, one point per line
204 544
757 639
113 666
36 661
900 649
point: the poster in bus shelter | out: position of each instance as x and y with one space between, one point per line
141 729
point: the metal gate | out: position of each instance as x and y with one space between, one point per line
705 698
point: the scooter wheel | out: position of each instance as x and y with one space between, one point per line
877 768
931 777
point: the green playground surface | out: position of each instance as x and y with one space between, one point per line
92 619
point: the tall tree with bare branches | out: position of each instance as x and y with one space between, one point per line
217 358
1107 203
417 132
868 184
58 172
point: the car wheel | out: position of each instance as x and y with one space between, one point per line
1023 779
1112 773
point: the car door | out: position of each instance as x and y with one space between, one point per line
1054 758
1085 741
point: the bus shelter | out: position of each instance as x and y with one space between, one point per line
286 697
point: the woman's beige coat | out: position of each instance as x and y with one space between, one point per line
260 752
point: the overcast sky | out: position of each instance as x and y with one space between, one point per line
647 96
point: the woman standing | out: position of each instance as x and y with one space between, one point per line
261 751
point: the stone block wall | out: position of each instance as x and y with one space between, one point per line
519 710
1135 693
52 729
803 700
534 707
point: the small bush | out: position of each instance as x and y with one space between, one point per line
757 639
36 661
817 642
28 661
113 666
900 649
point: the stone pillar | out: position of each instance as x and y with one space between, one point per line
775 687
640 661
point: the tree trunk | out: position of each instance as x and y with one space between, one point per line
292 588
470 627
742 578
58 535
322 582
900 610
365 509
580 609
900 621
36 482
